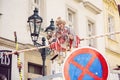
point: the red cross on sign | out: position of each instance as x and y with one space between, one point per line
85 64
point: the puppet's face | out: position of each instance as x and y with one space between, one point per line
61 26
60 23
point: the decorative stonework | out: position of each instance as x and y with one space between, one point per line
111 4
11 44
0 14
79 0
92 7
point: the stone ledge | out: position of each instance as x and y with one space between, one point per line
92 7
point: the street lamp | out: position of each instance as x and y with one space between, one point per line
50 29
35 22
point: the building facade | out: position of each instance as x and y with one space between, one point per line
84 17
111 19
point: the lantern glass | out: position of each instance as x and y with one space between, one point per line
50 29
35 22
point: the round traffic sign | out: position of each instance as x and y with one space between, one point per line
85 64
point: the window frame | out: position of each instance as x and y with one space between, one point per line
71 17
91 32
35 67
111 26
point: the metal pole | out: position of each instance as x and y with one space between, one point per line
43 58
43 54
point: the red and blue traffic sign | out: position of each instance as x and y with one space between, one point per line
85 64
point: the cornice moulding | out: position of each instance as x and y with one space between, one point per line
79 1
11 44
92 7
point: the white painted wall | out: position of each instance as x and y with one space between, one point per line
14 18
54 9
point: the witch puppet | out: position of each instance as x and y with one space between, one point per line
63 39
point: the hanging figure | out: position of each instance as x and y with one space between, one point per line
64 38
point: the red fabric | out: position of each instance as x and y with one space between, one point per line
71 42
77 41
61 40
56 46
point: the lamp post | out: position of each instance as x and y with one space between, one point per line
35 22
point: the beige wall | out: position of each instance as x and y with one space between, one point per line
112 46
35 57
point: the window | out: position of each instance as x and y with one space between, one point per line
119 8
34 68
111 26
29 79
71 18
114 76
119 76
91 32
36 2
